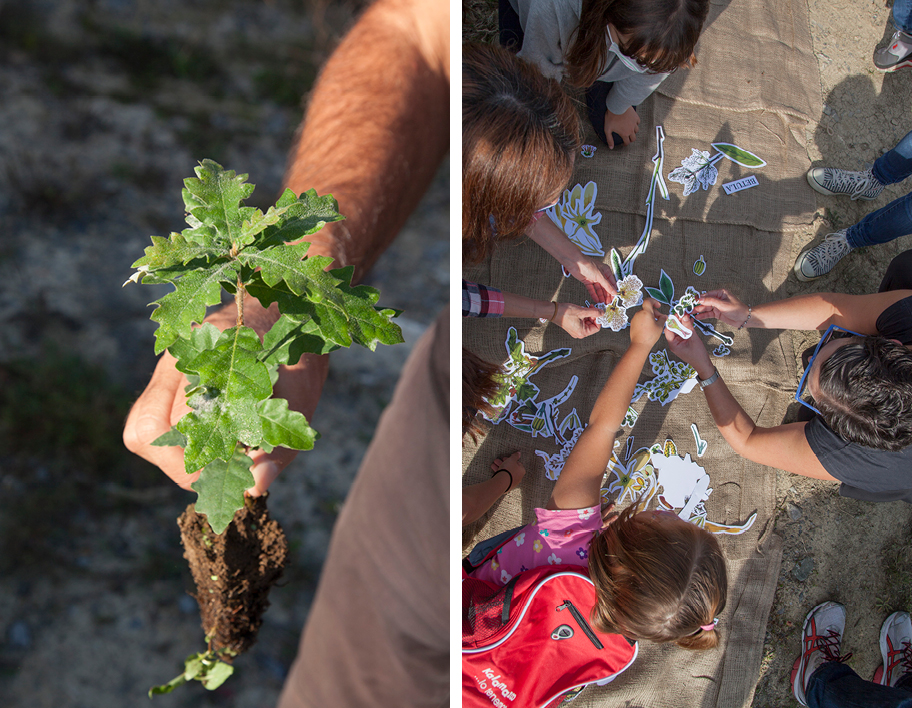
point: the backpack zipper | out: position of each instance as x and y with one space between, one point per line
583 624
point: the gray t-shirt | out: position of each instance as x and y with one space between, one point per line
549 25
867 473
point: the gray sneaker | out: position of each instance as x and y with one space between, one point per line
860 185
822 258
895 648
820 642
896 55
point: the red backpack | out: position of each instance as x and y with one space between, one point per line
529 643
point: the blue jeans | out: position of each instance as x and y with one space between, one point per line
902 15
895 219
835 685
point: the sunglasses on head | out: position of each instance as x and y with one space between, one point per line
833 332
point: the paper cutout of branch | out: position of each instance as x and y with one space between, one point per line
514 382
575 215
624 268
677 484
672 378
700 171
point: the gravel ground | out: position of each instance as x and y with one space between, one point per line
105 107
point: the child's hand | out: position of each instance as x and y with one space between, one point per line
578 322
647 324
721 305
691 351
627 125
513 466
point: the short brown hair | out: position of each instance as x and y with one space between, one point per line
520 133
661 35
658 581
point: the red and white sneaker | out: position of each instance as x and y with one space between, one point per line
896 55
895 648
821 638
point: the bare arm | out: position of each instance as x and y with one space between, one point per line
375 132
580 480
576 321
783 447
858 313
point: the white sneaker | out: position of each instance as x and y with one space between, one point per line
821 259
820 642
895 648
831 181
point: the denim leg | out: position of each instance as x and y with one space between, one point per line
883 225
895 165
902 15
595 108
835 685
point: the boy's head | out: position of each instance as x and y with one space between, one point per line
863 389
658 577
520 134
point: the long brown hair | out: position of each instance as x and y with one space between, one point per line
478 384
660 35
520 133
658 580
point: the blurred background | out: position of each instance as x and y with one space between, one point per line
105 107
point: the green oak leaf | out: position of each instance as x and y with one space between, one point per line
281 264
177 311
214 201
285 427
167 258
217 674
221 488
289 339
173 438
303 216
186 350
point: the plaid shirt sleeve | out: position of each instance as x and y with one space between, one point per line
481 301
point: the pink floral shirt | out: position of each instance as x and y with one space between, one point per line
558 537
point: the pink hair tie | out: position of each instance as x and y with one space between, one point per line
710 627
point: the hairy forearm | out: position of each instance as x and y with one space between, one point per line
376 127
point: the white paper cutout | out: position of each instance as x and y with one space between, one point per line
672 378
701 443
514 382
630 418
677 484
614 315
685 305
700 171
625 267
573 215
740 184
587 150
554 464
699 266
674 325
721 351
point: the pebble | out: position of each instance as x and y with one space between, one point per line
794 511
803 569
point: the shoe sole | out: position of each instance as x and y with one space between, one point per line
817 187
901 65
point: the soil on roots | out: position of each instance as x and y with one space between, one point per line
234 571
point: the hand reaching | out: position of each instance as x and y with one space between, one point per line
627 125
647 324
721 305
691 351
578 322
598 278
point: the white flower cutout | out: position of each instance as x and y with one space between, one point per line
630 291
614 315
697 171
575 215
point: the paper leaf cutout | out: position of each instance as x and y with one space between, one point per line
574 214
699 266
674 325
701 443
721 351
741 156
588 150
666 286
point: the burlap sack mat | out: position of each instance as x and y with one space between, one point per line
756 85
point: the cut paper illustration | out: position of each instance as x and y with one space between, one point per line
721 350
699 171
614 314
623 268
671 379
676 484
699 266
588 150
683 306
514 381
701 443
555 463
574 215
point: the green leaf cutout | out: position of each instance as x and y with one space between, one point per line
741 156
666 286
